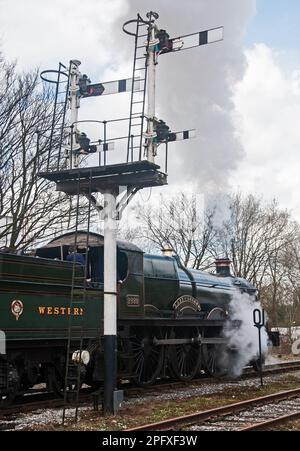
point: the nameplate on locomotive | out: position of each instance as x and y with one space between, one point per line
133 300
60 311
186 302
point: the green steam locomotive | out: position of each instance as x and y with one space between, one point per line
171 320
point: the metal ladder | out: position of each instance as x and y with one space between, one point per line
76 331
61 98
138 96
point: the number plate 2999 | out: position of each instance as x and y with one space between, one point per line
132 300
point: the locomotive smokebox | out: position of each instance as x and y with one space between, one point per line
223 267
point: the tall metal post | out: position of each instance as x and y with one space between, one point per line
74 101
151 149
259 323
110 301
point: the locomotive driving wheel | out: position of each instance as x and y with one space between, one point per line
215 356
185 358
148 357
211 354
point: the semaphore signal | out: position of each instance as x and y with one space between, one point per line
86 89
158 43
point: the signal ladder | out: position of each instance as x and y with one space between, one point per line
73 371
61 98
138 96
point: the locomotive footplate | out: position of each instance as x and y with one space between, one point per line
189 321
182 341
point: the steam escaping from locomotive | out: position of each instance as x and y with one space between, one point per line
243 345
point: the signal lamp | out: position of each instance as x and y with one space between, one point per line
162 131
93 90
83 83
165 44
84 143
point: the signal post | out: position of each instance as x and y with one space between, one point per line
110 302
151 148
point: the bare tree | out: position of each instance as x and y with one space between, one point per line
254 236
290 268
34 209
178 223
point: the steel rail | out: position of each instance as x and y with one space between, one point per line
40 401
198 417
272 422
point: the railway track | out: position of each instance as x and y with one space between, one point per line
43 400
254 414
40 401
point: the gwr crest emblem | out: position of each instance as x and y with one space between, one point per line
17 308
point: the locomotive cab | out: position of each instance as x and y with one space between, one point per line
130 277
58 249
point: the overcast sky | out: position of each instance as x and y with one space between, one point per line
242 95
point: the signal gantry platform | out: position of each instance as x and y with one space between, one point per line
138 174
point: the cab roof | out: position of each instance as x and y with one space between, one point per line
95 240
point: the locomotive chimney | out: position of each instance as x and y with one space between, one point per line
167 252
223 267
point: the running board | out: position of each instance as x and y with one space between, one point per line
183 341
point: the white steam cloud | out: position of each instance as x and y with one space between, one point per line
244 340
195 87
